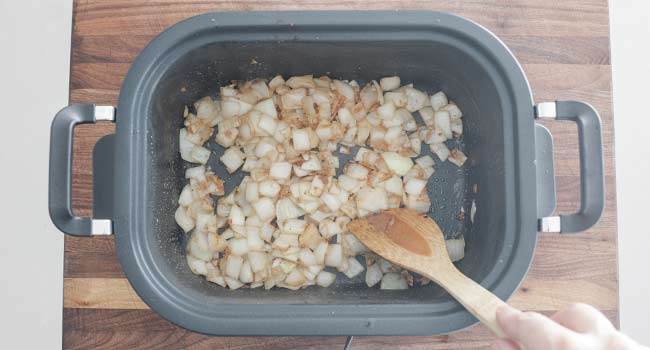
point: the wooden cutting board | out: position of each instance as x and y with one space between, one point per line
563 47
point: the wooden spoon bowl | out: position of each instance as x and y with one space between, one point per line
414 241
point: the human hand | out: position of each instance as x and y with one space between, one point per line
578 327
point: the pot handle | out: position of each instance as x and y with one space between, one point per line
592 183
60 177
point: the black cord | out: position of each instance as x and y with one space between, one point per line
348 343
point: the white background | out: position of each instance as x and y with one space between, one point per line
34 71
630 33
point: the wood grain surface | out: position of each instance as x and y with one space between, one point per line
563 47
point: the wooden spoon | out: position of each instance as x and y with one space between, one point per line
413 241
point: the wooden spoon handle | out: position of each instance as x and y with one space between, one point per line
477 300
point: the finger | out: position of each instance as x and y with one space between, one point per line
533 330
504 344
583 318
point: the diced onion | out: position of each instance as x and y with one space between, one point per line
255 242
295 278
454 111
287 219
197 266
415 186
304 81
427 113
246 273
252 192
397 163
269 188
334 255
457 126
238 246
286 209
456 248
354 268
372 200
355 246
232 158
313 164
183 220
294 226
344 89
185 198
415 99
472 211
457 157
267 107
233 266
425 161
386 111
389 83
265 208
268 124
281 170
325 279
440 150
438 100
293 98
356 171
236 216
443 123
397 98
331 201
393 281
321 251
233 283
226 137
232 107
420 202
198 246
307 257
258 260
373 275
301 140
207 108
394 185
197 173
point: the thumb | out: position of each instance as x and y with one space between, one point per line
533 330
